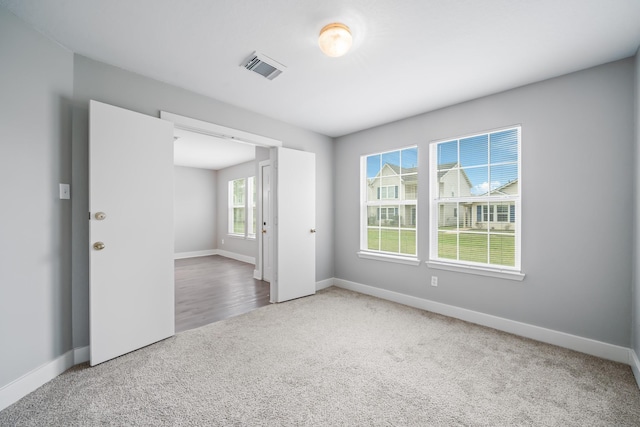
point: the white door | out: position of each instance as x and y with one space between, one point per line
267 229
131 288
295 216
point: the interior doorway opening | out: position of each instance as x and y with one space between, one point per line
218 283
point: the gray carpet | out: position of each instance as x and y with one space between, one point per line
339 358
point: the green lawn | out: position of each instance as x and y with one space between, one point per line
473 247
395 241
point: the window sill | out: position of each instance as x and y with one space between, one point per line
389 258
240 237
502 274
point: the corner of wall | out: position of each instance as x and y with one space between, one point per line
635 281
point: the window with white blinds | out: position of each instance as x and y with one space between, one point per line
389 197
475 197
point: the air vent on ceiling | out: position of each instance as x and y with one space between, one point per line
263 65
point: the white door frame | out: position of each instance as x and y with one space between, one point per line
219 131
258 273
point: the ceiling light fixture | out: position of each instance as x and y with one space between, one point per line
335 40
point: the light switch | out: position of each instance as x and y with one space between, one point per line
65 191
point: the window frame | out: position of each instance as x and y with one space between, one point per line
395 203
488 210
251 216
248 205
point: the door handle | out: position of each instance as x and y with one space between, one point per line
264 231
98 246
313 230
100 216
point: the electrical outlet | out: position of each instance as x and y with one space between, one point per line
434 280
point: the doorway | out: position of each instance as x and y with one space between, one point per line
292 175
225 280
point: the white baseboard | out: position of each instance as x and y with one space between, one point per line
221 252
238 257
561 339
635 365
323 284
19 388
80 355
195 254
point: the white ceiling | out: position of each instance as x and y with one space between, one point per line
197 150
409 56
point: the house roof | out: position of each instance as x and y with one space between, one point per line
406 177
444 169
502 187
409 174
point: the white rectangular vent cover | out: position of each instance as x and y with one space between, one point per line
263 65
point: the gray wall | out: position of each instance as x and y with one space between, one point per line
635 321
577 189
112 85
195 209
237 245
36 85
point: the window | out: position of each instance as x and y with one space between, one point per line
475 201
388 192
487 213
237 206
389 203
252 205
387 215
503 213
242 209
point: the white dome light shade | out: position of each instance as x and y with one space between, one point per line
335 40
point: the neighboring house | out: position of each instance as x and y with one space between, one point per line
500 215
448 215
478 215
393 185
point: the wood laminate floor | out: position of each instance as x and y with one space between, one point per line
213 288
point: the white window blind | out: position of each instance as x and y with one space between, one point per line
475 197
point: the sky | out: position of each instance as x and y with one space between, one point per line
407 158
489 160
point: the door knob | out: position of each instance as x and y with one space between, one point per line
313 230
264 231
100 216
98 246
